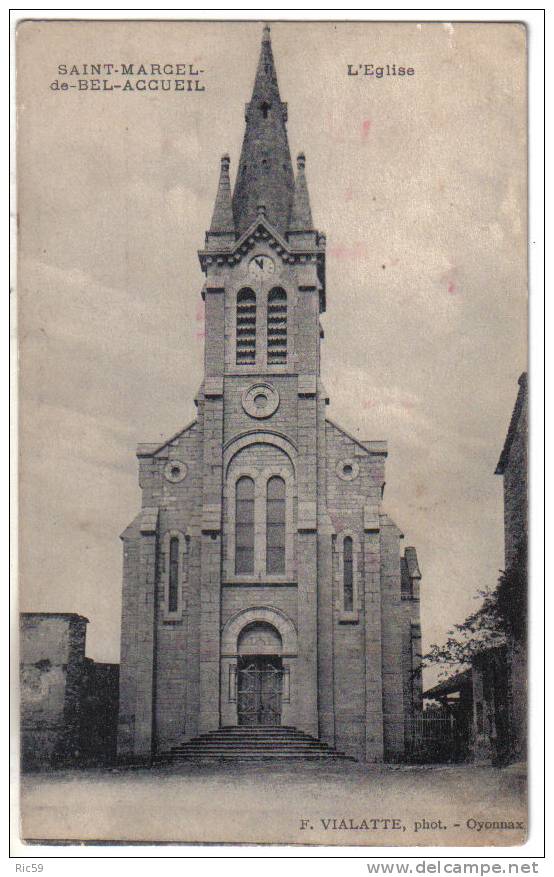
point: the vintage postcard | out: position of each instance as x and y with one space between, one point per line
272 310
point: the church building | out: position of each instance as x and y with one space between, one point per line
264 587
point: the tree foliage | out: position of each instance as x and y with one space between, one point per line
501 616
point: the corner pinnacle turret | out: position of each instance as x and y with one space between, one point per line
222 218
265 174
301 213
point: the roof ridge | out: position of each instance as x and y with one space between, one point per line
348 435
178 434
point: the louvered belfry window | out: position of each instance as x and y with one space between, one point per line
246 327
277 326
348 573
244 527
275 532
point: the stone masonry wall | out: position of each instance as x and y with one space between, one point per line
283 420
176 656
173 671
346 501
52 665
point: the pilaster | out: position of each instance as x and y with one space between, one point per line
307 559
210 559
145 635
374 743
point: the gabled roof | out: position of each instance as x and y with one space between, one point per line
516 413
377 447
450 685
262 231
261 228
146 449
133 528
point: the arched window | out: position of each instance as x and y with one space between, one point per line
174 574
277 326
275 526
244 527
173 589
246 327
348 576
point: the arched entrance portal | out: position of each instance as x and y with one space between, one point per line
259 675
260 638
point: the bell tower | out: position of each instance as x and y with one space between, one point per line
263 242
264 264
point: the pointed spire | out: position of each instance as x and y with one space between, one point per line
265 174
301 213
265 84
222 218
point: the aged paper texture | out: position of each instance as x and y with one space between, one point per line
288 264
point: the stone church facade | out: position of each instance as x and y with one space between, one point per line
263 583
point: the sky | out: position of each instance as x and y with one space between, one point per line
420 185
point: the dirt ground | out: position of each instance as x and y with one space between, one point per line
341 803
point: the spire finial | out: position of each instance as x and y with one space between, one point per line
300 161
266 35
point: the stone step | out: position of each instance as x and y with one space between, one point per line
260 750
223 752
231 729
270 745
180 750
255 744
258 732
271 732
258 740
253 756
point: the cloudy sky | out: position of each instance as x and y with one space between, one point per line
419 183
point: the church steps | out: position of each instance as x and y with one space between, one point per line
246 743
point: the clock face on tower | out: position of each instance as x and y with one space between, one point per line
261 266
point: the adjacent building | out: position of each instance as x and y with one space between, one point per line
489 700
513 466
52 661
68 703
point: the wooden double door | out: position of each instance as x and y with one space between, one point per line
260 688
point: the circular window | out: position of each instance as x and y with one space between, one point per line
261 400
347 469
175 471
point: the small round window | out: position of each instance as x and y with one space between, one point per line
260 400
175 471
347 469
